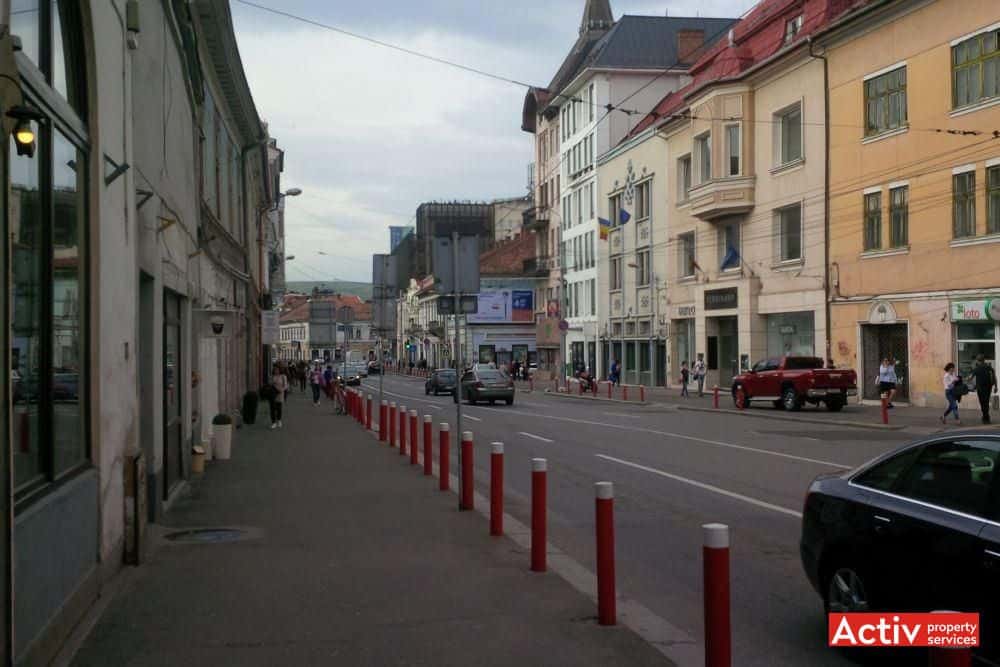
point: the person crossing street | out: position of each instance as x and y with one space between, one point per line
986 385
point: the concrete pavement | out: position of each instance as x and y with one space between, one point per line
352 557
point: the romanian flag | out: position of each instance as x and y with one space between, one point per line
605 226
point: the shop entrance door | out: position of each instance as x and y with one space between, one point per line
729 350
878 341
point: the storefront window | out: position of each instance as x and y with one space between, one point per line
685 343
973 340
791 334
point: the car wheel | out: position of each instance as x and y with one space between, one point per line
492 402
790 399
835 405
509 401
736 400
846 590
778 405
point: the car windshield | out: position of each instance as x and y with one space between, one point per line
446 374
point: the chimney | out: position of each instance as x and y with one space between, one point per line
688 43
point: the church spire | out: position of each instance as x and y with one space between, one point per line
596 16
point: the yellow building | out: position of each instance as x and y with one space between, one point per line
914 190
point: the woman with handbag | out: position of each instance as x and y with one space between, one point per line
953 386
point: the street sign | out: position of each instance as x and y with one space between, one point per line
468 264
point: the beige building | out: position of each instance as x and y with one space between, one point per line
915 190
744 193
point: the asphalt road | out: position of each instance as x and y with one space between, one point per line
674 471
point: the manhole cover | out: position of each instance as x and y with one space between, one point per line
207 535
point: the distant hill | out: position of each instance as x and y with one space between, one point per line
363 290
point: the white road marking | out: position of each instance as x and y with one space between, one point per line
536 437
706 487
435 407
622 414
471 418
680 436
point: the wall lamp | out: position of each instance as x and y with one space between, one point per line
24 134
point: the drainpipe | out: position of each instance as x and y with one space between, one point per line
826 195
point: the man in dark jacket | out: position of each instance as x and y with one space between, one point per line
986 383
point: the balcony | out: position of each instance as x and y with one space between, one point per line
722 197
536 219
537 266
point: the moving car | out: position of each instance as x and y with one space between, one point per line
487 384
790 382
917 529
442 380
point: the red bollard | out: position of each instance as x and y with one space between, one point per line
392 424
642 393
885 409
539 470
444 460
383 431
605 520
428 445
414 448
368 413
402 430
496 489
467 478
715 397
625 393
949 657
718 632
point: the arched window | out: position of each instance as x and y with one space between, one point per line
47 214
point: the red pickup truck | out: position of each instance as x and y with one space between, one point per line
789 382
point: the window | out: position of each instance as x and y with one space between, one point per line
729 246
616 273
964 192
789 135
790 233
591 101
792 28
683 178
642 268
976 69
593 250
579 206
993 200
703 151
873 221
733 149
591 191
883 476
899 202
593 296
614 206
952 475
209 154
642 201
885 102
576 299
686 260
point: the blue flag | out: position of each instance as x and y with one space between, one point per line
623 216
731 260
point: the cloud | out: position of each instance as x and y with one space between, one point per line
369 133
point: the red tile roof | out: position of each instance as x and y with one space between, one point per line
299 312
758 36
507 258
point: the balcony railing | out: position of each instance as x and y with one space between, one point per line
536 218
537 266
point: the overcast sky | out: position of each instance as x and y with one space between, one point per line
370 133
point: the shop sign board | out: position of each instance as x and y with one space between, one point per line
721 299
980 310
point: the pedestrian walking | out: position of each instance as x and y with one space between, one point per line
614 377
279 381
986 384
699 373
516 370
328 377
953 384
685 378
303 376
316 382
887 379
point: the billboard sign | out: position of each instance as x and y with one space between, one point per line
494 307
522 306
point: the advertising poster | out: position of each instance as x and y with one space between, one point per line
522 306
494 307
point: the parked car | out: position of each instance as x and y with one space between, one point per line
790 382
482 383
915 530
442 380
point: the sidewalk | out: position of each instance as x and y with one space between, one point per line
353 558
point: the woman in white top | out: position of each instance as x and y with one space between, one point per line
949 380
280 383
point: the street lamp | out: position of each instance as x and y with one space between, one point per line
291 192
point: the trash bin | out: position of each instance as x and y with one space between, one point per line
249 407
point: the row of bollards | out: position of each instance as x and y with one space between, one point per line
397 426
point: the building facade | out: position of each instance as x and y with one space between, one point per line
915 191
325 328
128 221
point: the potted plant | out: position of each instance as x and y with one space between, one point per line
222 436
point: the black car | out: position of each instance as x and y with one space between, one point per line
915 530
487 384
443 380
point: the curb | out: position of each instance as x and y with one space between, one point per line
805 420
594 399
